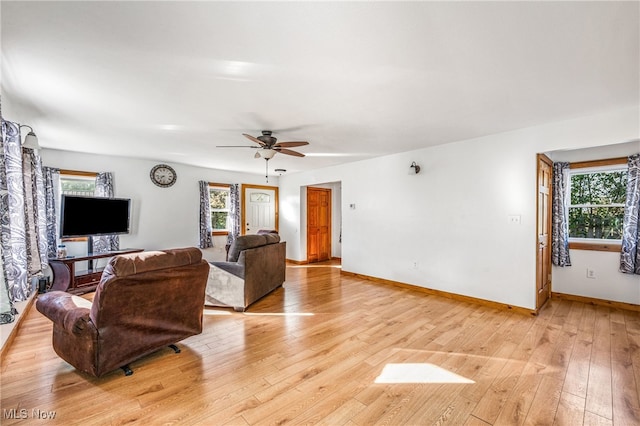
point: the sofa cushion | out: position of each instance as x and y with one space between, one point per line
272 238
245 242
266 231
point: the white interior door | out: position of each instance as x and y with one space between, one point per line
260 209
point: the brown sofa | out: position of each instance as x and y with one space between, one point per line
256 266
144 301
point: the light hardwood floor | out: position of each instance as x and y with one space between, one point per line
313 351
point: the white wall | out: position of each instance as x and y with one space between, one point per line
609 283
160 217
451 219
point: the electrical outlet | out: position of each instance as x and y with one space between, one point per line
415 265
591 273
514 219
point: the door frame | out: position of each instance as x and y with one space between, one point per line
330 219
549 162
243 205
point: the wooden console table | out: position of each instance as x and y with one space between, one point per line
67 278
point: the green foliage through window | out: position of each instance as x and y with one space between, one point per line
77 186
219 220
596 208
219 200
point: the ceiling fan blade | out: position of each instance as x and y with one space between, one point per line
256 140
289 152
291 144
236 146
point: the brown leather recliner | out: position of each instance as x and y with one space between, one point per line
144 301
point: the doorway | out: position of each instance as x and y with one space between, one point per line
543 230
259 208
318 224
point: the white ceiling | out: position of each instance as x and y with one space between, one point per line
171 80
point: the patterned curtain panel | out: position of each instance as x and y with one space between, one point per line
22 221
234 213
104 188
206 241
7 310
52 190
559 221
35 219
630 255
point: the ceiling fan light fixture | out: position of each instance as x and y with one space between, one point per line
268 154
257 155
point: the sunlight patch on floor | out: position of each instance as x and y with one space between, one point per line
314 266
210 311
280 314
418 373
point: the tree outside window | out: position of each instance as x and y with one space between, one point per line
219 201
596 209
77 185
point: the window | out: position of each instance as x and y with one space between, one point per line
219 200
596 204
77 183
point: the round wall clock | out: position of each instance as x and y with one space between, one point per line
162 175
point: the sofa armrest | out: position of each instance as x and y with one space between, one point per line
60 308
234 268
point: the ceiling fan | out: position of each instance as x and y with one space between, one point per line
269 146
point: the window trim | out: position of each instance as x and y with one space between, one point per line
228 187
585 243
598 163
78 173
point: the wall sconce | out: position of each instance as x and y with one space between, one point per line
31 140
414 168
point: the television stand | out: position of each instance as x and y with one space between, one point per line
67 278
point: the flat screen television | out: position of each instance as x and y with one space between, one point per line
89 216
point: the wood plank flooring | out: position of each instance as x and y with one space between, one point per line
313 351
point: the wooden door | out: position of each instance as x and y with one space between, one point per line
318 224
543 257
259 208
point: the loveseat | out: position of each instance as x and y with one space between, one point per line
144 301
255 266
